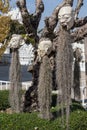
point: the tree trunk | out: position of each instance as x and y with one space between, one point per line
15 86
76 80
31 96
45 88
86 63
64 60
77 73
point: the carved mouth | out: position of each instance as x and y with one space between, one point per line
64 26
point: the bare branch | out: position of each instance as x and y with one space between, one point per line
78 7
35 19
25 16
39 5
69 2
21 3
80 22
51 22
79 33
31 21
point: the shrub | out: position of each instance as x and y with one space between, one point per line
28 121
4 103
4 99
78 120
76 106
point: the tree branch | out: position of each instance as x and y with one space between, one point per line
25 16
51 22
36 17
31 21
69 2
80 33
80 22
78 7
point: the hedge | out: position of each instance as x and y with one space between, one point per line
28 121
78 120
4 103
4 99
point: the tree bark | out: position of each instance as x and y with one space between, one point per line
80 22
78 7
31 22
64 59
85 45
25 17
79 34
15 86
77 94
45 88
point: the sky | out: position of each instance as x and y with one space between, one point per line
49 7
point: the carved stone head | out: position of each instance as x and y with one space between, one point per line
44 47
66 17
16 41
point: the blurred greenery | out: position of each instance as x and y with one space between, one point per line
28 121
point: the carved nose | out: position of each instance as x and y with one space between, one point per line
63 20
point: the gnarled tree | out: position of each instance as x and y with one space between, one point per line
31 22
67 34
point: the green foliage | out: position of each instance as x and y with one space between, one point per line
4 99
4 103
26 121
78 120
4 6
76 106
16 27
28 39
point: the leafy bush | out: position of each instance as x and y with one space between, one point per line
4 99
78 120
76 105
28 121
4 103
